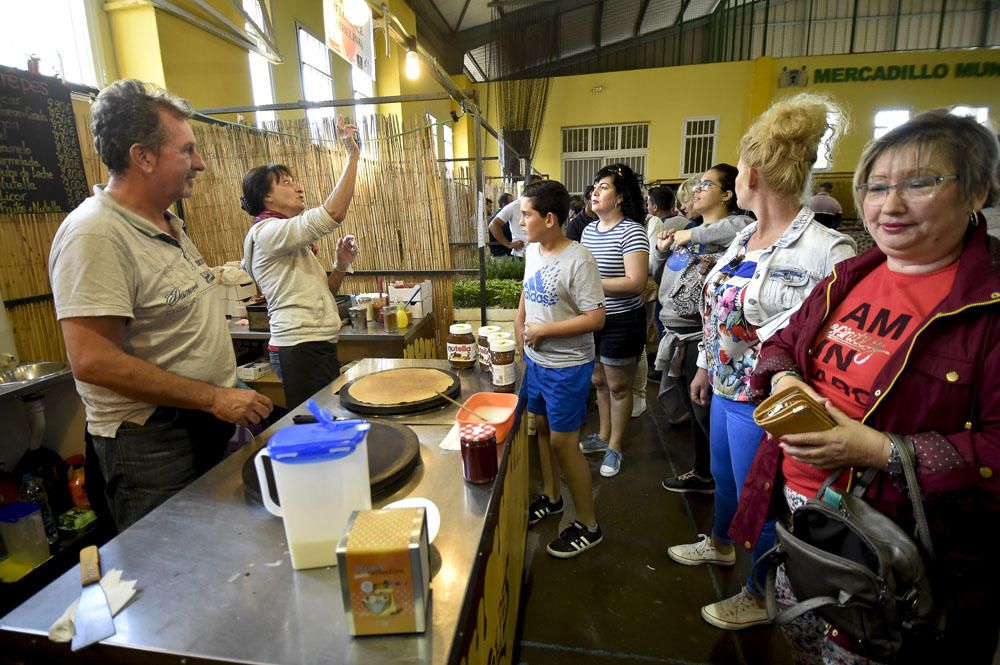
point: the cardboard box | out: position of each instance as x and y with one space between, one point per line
384 566
401 292
253 371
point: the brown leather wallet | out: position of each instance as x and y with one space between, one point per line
792 411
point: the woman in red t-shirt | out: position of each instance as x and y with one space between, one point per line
905 339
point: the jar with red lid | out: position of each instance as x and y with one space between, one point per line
479 453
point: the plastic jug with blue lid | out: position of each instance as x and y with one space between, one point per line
326 440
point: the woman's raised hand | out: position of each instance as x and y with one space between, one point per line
348 133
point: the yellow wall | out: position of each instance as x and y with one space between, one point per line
201 67
663 97
136 43
862 99
737 93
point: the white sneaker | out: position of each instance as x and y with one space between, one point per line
736 613
703 551
638 406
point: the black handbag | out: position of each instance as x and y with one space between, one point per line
857 569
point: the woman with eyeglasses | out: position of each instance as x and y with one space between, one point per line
618 241
905 339
685 254
750 294
279 253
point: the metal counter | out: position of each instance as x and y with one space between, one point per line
215 581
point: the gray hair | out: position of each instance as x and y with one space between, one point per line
128 112
969 148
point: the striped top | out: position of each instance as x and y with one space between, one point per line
609 248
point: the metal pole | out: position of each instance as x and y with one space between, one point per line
480 195
895 25
767 15
944 12
854 25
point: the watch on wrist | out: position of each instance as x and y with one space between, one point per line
895 464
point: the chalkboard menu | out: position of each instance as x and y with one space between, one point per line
40 165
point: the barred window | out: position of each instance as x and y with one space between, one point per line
585 150
699 141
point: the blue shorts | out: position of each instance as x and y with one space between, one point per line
559 394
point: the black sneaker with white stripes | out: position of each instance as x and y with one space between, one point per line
574 539
541 508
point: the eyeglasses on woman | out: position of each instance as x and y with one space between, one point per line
913 190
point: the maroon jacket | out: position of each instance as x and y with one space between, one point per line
941 387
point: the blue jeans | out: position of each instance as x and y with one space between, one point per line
144 465
733 439
275 363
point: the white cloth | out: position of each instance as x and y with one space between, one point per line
117 590
452 440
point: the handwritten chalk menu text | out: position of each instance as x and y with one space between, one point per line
40 165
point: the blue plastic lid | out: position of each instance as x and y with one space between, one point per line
17 511
329 439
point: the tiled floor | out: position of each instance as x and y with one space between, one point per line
625 601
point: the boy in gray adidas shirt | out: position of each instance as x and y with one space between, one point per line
561 307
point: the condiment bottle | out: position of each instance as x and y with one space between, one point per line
479 453
390 318
461 346
484 333
502 362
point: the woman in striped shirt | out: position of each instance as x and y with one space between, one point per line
618 242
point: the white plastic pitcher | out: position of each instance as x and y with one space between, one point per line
321 474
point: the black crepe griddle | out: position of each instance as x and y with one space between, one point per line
349 402
393 453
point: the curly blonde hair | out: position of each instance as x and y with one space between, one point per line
783 142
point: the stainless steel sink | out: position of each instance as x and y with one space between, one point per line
28 372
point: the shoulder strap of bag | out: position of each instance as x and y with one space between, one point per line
904 445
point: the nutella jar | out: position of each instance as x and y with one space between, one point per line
484 345
479 453
502 361
461 345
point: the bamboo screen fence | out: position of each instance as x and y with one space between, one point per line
406 213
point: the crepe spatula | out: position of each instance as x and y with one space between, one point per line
93 615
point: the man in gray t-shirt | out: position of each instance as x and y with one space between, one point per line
140 311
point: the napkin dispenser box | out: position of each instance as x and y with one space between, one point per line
384 566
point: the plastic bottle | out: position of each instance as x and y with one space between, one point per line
33 491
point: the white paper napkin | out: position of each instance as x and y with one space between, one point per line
117 590
452 441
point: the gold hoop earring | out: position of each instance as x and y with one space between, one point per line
973 218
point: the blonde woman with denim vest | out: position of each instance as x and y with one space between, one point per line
757 284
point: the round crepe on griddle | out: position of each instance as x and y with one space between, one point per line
400 386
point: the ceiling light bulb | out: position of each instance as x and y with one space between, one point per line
412 65
357 12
